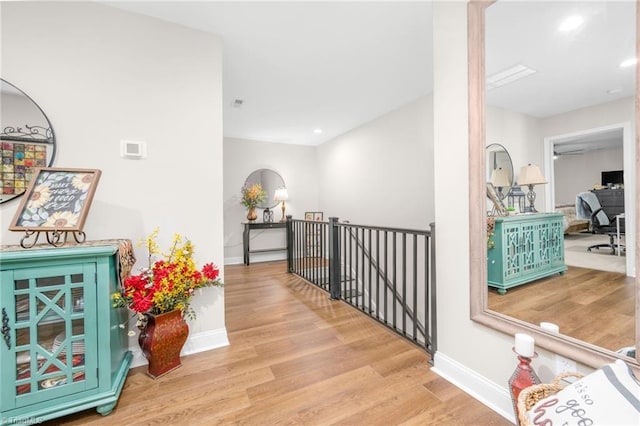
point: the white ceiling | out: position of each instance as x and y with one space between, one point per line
335 65
575 69
299 66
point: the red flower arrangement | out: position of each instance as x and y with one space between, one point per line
168 283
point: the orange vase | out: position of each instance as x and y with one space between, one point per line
252 215
161 341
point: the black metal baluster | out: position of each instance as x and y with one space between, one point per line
415 287
433 318
427 285
404 284
314 261
369 280
378 274
386 276
395 274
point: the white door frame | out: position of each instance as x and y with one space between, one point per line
629 155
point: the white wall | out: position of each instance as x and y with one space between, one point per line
475 357
578 173
296 164
520 135
102 75
382 172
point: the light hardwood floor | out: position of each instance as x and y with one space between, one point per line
295 357
594 306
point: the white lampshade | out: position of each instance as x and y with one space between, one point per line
281 195
531 175
500 177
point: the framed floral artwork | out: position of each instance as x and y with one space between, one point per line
314 216
56 200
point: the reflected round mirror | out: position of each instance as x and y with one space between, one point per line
499 169
27 138
270 182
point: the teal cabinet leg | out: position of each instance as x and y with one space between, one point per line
106 409
502 291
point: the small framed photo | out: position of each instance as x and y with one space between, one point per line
56 200
498 205
313 216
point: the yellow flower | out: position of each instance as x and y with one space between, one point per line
82 181
64 219
39 197
167 283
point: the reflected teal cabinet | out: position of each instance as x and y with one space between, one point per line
526 248
61 348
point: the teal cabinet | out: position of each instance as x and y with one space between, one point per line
61 348
526 248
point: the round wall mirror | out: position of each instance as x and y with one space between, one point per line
270 181
499 169
27 139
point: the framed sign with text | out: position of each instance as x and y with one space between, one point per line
56 200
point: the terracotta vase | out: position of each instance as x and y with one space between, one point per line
161 341
252 214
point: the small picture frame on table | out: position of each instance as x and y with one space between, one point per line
314 216
498 205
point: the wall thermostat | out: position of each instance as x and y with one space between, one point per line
133 149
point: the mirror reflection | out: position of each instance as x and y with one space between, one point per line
271 181
556 90
27 140
499 169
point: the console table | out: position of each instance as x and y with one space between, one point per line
252 226
527 247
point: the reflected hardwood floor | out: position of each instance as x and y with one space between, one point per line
594 306
295 357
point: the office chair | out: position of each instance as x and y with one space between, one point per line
601 223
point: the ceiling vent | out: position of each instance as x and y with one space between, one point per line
508 76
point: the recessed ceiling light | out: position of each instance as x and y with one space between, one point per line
628 62
317 131
571 23
614 91
508 76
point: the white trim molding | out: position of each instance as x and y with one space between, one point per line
256 258
489 393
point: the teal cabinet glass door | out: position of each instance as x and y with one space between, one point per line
51 348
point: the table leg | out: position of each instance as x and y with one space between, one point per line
245 244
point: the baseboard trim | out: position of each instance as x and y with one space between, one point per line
256 258
196 343
489 393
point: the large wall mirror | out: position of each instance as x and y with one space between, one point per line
27 139
551 66
270 181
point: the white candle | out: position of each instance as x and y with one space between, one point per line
524 345
550 327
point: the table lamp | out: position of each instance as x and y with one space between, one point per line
281 195
500 179
531 175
